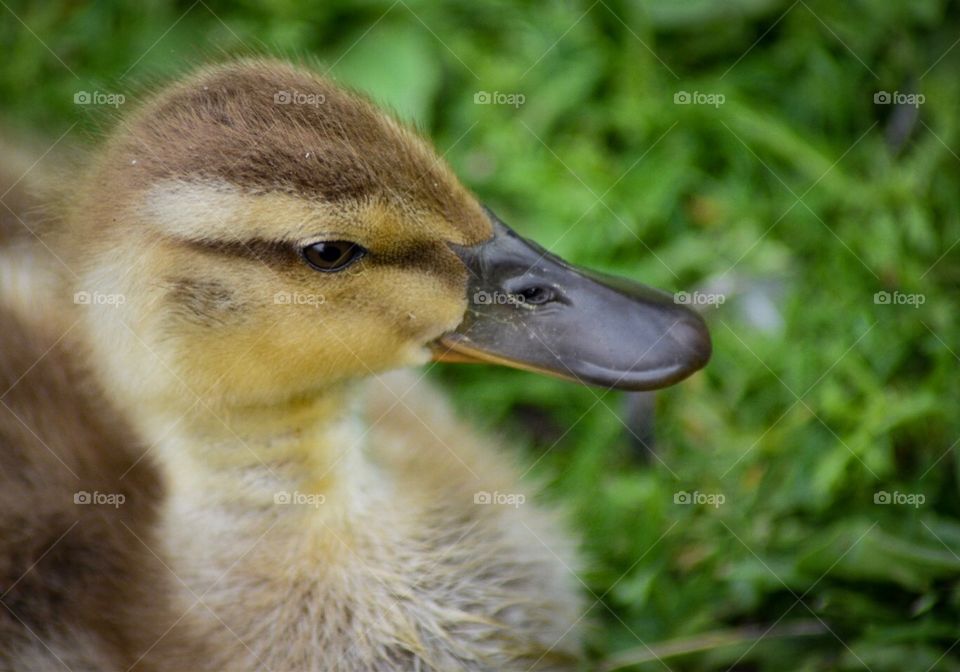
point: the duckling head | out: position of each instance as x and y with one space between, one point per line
255 234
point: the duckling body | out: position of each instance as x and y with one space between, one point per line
410 574
249 257
382 559
407 572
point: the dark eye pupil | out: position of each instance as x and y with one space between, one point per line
330 251
332 255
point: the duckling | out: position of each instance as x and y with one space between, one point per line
254 253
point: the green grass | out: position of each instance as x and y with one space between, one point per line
798 185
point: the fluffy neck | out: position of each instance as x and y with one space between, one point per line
303 453
262 500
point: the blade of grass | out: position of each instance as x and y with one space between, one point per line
708 641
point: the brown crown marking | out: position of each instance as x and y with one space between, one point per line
268 126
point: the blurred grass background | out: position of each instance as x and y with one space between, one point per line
798 199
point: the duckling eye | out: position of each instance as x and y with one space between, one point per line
332 255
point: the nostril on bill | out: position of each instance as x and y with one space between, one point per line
536 295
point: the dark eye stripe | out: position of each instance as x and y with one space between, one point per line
270 252
425 257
